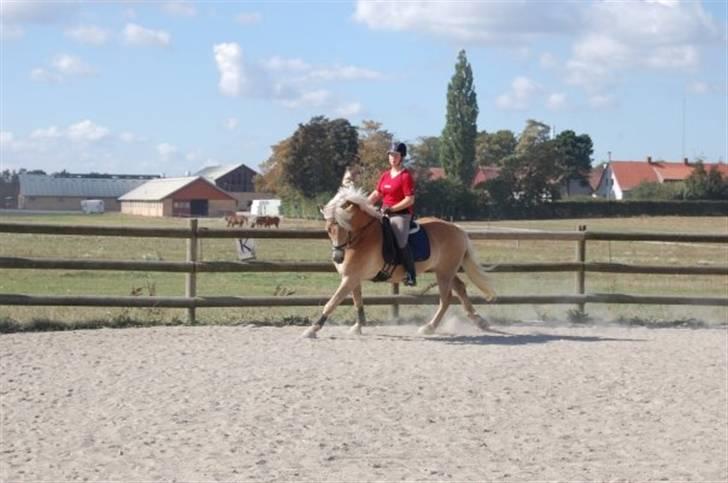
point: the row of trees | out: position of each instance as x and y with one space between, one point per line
533 165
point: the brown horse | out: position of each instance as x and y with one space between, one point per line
356 237
235 219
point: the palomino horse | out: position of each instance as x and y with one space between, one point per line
356 236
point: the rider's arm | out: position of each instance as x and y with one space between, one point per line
405 203
374 197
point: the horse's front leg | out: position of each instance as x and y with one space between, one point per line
345 287
359 304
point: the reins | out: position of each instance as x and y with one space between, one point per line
351 240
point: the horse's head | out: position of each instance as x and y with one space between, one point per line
344 215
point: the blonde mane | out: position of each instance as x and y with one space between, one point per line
334 210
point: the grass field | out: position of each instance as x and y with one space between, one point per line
490 252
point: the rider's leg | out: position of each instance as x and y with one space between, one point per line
400 226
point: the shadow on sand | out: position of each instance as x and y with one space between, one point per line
505 338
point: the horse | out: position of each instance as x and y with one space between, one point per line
235 219
354 229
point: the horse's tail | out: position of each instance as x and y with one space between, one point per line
476 274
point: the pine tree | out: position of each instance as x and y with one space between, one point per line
458 137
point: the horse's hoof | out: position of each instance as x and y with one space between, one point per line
481 323
309 333
355 329
426 330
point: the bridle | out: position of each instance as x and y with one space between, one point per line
351 239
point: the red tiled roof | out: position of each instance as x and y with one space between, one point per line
484 173
630 174
595 175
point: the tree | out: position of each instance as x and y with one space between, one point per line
425 152
491 148
373 145
319 153
458 137
574 156
534 133
271 178
696 183
716 188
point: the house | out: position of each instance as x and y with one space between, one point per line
238 180
44 192
620 177
187 196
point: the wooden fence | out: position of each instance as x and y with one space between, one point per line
192 266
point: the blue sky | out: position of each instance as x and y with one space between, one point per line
169 87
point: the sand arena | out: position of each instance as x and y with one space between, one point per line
261 404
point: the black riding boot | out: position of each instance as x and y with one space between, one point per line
409 265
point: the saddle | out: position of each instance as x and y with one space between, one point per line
418 242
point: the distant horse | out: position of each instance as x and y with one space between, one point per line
266 221
354 228
236 220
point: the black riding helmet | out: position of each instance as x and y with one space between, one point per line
400 148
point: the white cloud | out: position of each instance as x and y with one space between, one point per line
522 91
229 59
166 151
601 101
88 34
548 60
130 137
6 138
279 64
556 101
348 109
61 68
248 18
316 98
70 65
231 123
347 72
47 133
140 36
180 8
86 131
29 12
472 22
40 74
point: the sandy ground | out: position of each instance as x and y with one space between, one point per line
260 404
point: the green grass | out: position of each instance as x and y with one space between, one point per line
249 284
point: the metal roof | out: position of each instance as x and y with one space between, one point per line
159 189
216 172
44 185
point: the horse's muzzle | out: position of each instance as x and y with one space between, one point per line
337 255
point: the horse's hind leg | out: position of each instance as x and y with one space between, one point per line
444 284
359 304
458 287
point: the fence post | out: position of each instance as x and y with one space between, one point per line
191 277
395 306
581 259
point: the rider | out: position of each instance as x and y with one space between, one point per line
396 189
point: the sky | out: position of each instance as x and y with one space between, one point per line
170 87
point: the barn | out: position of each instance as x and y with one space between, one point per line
187 196
43 192
238 180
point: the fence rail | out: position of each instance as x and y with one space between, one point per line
192 266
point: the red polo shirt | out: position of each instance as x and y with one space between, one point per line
394 190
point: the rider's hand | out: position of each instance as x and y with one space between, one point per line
387 210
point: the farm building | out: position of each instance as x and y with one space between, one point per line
619 177
237 180
43 192
188 196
